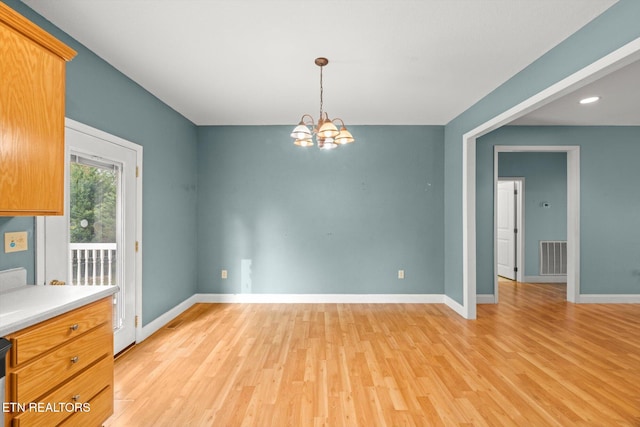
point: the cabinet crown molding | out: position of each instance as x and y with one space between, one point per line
19 23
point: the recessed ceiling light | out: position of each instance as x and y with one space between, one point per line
589 100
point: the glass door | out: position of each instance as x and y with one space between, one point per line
94 243
95 222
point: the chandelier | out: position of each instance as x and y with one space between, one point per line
327 135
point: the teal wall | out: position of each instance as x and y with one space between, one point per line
25 259
609 201
611 30
545 182
311 221
100 96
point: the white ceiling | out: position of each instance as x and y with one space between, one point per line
619 103
250 62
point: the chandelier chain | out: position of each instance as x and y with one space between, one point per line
321 91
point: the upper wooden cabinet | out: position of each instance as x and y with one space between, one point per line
32 88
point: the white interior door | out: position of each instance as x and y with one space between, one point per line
506 225
94 243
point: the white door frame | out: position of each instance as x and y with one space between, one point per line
519 225
603 66
40 243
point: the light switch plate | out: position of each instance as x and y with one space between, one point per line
15 242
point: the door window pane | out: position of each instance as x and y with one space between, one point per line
93 224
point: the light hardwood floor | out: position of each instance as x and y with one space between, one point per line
531 360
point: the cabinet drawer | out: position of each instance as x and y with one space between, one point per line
81 389
101 409
35 379
32 342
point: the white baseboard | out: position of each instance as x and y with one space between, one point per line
153 326
545 279
323 298
609 299
149 329
455 306
485 299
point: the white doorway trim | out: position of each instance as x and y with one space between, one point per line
40 244
573 209
605 65
519 225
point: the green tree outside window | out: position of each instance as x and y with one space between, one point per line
93 204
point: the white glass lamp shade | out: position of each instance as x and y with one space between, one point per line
303 142
301 132
344 137
328 130
327 144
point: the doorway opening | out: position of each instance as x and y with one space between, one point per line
508 230
603 66
96 241
572 218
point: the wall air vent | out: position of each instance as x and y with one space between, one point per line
553 258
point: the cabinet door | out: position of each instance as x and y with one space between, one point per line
31 118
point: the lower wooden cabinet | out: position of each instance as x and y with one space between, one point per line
103 404
70 380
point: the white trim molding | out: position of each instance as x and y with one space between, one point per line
322 298
545 279
149 329
603 66
454 305
164 319
486 299
609 299
152 327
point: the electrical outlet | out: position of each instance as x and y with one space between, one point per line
223 274
400 274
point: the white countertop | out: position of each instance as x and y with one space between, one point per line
27 305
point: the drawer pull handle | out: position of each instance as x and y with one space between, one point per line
74 327
75 397
75 359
